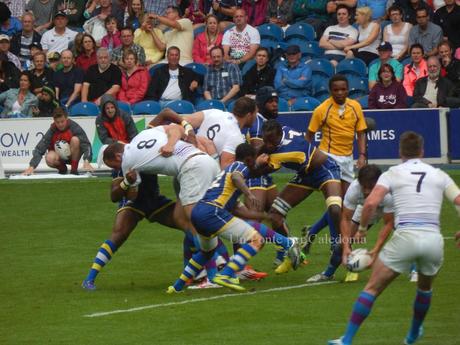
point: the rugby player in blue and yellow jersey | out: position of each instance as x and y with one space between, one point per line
212 217
288 148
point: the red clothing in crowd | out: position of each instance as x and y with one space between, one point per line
201 49
84 61
134 87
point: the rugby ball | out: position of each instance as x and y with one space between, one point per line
62 148
358 260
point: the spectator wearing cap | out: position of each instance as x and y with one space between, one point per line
21 42
448 18
46 103
293 79
415 70
223 79
267 102
9 74
385 51
426 33
5 49
40 75
58 38
100 79
68 81
8 25
43 12
54 61
336 37
241 41
180 36
260 75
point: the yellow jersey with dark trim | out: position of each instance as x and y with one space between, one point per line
293 151
338 125
223 191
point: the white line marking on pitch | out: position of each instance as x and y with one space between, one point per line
205 299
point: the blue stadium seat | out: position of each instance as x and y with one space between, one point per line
406 61
269 44
319 82
301 30
305 103
247 66
155 67
363 100
283 105
230 106
181 107
322 66
197 68
353 66
357 86
146 108
312 50
321 93
198 30
126 107
271 31
84 109
210 104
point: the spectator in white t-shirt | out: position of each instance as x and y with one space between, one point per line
58 38
180 36
336 37
240 42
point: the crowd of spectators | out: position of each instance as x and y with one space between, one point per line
59 52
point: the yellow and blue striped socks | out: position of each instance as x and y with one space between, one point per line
239 260
103 256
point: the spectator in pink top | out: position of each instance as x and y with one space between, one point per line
134 79
205 41
112 40
416 69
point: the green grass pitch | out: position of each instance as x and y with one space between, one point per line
51 230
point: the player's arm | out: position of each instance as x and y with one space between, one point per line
370 205
241 211
345 231
174 133
167 116
240 183
388 226
362 149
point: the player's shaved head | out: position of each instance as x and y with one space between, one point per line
411 145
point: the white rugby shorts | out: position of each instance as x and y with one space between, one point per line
346 165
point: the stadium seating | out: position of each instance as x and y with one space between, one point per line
357 86
197 68
322 66
301 30
155 67
363 100
230 106
322 93
312 50
319 82
198 30
354 66
247 66
283 105
269 44
126 107
210 104
406 61
146 108
181 107
305 103
84 109
271 31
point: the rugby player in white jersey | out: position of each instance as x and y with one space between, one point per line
417 189
222 128
352 207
